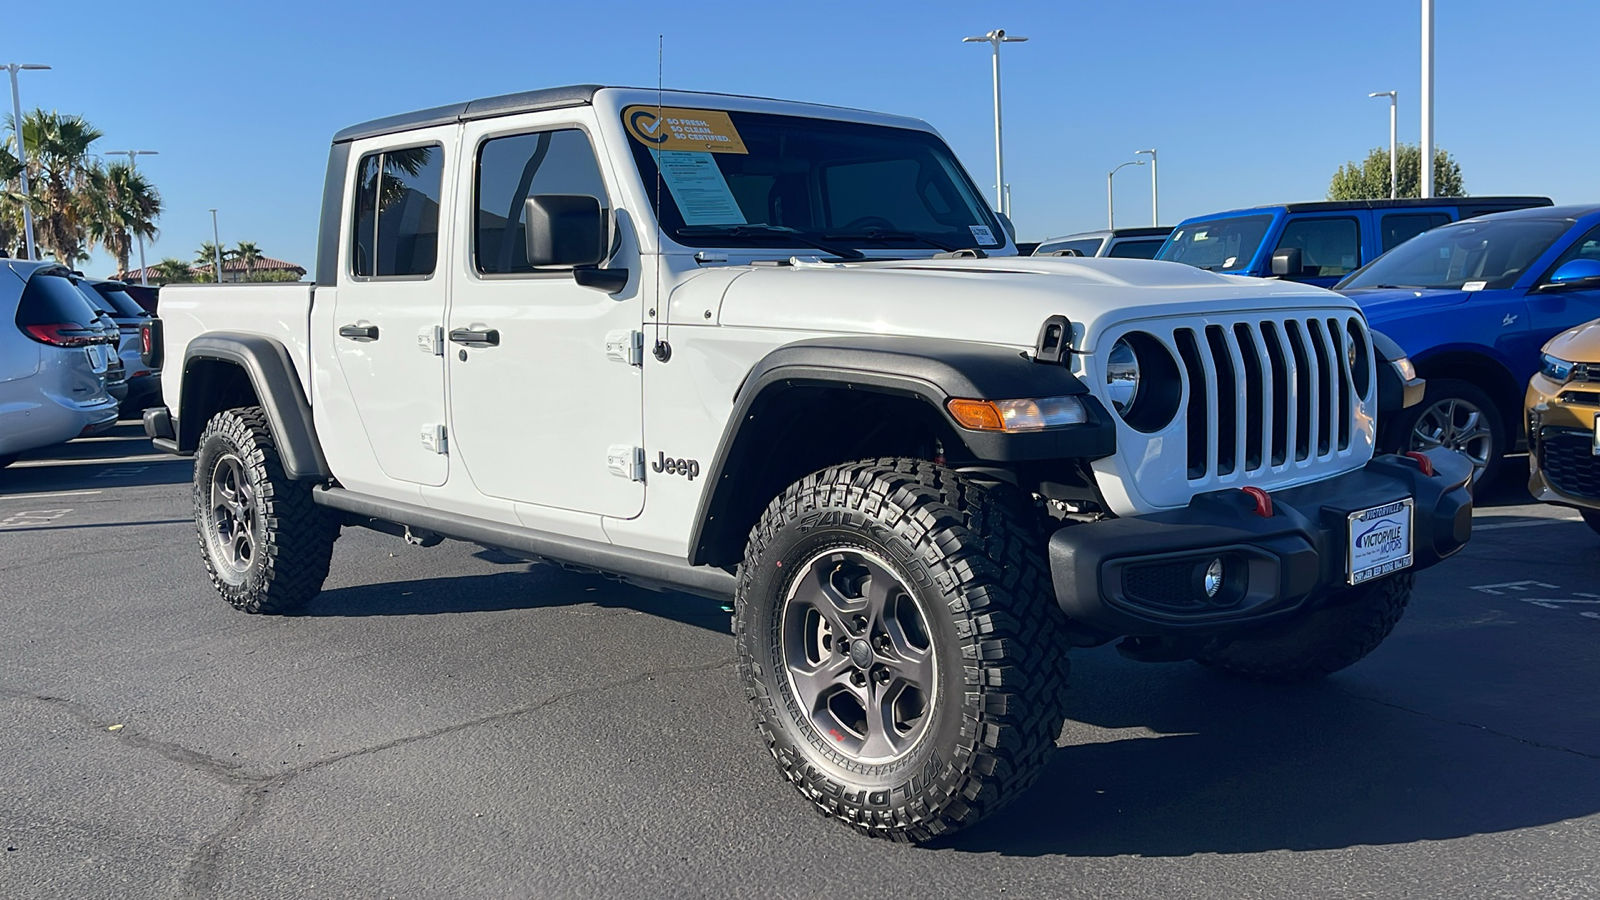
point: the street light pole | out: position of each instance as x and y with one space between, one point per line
1394 170
216 246
22 153
996 38
1155 209
132 155
1426 163
1111 202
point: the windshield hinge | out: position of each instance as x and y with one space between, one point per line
1054 345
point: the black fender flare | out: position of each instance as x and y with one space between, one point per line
933 370
269 367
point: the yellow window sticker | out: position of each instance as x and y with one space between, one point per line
672 128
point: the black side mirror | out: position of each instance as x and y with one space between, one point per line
566 230
1287 262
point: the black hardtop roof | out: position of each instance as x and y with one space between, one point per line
1143 231
1479 202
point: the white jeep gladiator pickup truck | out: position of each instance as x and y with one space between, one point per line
784 355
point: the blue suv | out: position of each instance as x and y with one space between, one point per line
1317 243
1472 303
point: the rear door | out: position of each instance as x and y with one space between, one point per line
1397 227
390 305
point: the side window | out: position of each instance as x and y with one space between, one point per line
1085 247
1401 227
510 170
1586 247
1327 246
1136 249
396 216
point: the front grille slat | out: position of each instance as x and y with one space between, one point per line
1225 449
1566 457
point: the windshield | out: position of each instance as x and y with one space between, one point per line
758 180
1480 254
1223 245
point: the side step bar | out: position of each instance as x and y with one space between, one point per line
653 570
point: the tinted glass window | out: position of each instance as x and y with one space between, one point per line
100 303
1586 247
1224 245
54 300
126 307
396 216
1136 249
1401 227
1086 247
1489 253
510 170
1327 246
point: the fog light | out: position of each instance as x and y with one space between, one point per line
1213 579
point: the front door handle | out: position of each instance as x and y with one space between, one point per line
359 332
488 337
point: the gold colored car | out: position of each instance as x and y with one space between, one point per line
1563 407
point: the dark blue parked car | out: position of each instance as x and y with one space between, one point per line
1471 303
1317 243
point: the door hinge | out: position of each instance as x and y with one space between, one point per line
625 347
626 460
430 340
434 438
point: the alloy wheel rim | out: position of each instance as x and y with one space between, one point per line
858 655
1459 425
233 519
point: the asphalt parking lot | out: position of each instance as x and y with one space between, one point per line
453 722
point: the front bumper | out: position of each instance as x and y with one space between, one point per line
1139 576
1561 427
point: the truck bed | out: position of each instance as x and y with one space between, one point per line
278 310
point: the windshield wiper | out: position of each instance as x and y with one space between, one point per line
881 234
772 231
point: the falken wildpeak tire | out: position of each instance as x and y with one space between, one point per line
1322 642
266 545
963 560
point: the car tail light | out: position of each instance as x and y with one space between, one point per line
64 334
150 343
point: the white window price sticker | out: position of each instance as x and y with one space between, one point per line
697 185
983 236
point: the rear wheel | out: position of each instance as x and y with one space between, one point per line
266 545
1456 415
1322 642
901 646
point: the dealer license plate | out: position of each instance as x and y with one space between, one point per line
1380 541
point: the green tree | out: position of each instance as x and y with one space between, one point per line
206 256
64 177
172 271
125 207
249 254
1369 179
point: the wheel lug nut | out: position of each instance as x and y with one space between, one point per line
858 624
882 674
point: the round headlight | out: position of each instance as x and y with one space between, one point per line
1122 376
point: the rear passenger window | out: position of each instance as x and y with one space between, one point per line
510 170
396 216
1136 249
1401 227
53 300
1327 246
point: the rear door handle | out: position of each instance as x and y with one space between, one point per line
488 337
359 332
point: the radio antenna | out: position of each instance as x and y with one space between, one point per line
662 350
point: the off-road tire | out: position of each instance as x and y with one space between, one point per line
1322 642
1398 432
292 537
968 556
1591 517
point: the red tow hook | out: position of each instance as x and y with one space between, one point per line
1423 462
1263 501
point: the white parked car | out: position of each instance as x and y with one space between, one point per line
784 355
54 358
1120 243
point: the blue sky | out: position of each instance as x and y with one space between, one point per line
1248 101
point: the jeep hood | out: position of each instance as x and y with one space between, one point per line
1000 300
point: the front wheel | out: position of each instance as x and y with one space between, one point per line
1322 642
901 646
1456 415
266 545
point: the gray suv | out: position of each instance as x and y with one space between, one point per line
54 359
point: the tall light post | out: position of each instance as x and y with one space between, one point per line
1111 202
216 245
996 38
1155 208
1394 170
132 156
22 154
1426 163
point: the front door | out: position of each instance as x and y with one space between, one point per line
391 301
1556 311
540 412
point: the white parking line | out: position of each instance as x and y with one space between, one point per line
1552 520
54 494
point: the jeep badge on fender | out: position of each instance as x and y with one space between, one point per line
686 467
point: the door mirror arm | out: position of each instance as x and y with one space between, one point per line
609 280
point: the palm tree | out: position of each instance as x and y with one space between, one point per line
125 205
207 256
172 271
248 253
63 176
